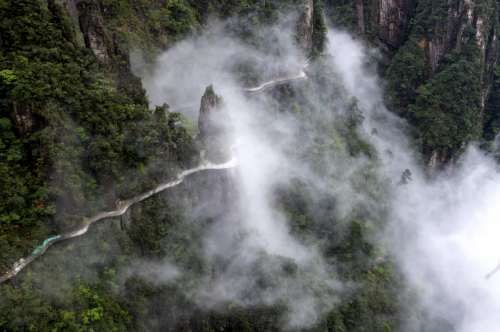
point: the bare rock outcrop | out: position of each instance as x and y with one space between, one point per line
92 27
216 132
70 6
27 120
394 16
304 27
463 23
361 16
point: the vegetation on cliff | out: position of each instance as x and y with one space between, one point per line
74 135
119 280
440 59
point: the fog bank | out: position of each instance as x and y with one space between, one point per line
446 230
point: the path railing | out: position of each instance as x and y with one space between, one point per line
278 81
122 207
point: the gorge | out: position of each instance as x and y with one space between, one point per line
361 195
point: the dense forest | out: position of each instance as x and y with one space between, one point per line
78 133
440 60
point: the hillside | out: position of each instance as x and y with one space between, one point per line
293 238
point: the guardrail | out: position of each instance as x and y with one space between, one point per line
122 208
278 81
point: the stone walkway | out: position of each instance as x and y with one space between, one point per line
279 81
122 207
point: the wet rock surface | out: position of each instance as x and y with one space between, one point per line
92 27
216 133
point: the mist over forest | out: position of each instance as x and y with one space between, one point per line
252 165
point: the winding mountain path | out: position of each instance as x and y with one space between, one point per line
122 207
278 81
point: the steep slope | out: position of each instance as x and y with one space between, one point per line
384 22
76 133
442 58
188 258
146 27
159 273
454 51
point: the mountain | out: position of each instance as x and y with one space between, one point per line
293 237
441 57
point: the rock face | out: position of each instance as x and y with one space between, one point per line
393 17
383 19
361 16
216 133
92 27
304 27
461 24
448 35
27 121
425 40
70 6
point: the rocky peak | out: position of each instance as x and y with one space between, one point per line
92 27
304 27
215 127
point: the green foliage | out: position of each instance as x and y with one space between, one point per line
148 28
181 119
405 176
446 107
443 106
319 28
84 125
491 117
93 132
8 76
344 15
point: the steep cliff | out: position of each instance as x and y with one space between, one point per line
441 57
442 77
383 22
74 135
92 27
216 133
188 258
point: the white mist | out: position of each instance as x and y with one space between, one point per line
446 230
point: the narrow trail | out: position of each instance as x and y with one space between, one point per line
278 81
122 207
